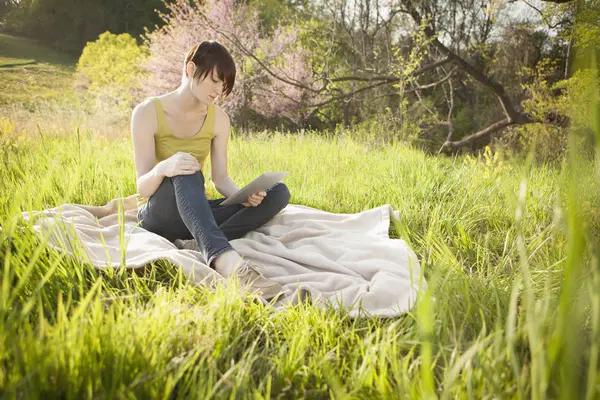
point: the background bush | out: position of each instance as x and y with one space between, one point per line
109 70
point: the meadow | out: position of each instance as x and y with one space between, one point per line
508 247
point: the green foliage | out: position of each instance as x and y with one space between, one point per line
272 13
580 89
463 121
312 33
5 7
553 102
585 18
110 69
389 126
68 25
409 62
550 142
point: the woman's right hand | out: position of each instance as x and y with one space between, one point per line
179 163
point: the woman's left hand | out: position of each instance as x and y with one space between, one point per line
255 199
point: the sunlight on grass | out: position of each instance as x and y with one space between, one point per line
480 329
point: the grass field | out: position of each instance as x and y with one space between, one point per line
509 251
38 91
32 75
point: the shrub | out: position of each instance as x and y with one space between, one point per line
109 69
557 108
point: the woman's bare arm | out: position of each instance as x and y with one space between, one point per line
143 127
218 155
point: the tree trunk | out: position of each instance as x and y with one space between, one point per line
569 57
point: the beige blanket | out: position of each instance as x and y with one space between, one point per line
346 260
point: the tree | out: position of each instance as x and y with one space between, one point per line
68 25
5 7
109 69
236 26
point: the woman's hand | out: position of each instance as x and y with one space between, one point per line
179 163
255 199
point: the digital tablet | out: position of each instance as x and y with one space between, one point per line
260 184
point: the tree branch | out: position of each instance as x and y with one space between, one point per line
350 94
393 13
513 116
543 17
433 84
392 79
478 75
431 66
450 100
481 134
233 39
382 80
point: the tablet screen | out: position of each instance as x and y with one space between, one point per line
262 183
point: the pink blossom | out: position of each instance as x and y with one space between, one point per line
237 27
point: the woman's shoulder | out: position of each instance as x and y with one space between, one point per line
219 112
222 123
221 119
143 105
146 108
145 114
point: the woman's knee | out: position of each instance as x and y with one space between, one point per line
160 208
162 200
191 179
193 184
280 195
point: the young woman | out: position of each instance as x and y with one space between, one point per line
172 136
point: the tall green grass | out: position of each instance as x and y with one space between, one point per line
511 309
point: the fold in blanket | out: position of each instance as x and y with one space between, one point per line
342 260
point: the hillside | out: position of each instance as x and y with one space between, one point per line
32 74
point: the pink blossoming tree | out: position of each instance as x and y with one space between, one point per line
273 76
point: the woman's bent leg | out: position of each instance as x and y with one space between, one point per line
250 218
161 216
179 210
198 217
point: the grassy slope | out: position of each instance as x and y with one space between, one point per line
32 74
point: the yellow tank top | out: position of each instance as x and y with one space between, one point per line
166 144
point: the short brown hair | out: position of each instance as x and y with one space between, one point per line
208 55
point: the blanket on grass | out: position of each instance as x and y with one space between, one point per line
342 260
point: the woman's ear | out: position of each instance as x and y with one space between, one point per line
190 67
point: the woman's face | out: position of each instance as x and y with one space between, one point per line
206 90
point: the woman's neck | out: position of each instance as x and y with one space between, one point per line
186 102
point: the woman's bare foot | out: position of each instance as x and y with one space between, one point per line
230 262
226 263
223 264
248 274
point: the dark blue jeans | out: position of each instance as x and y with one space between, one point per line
179 209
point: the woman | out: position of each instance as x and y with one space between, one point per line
172 136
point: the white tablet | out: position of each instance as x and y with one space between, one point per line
260 184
